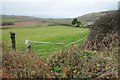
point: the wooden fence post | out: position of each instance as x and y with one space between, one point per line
12 36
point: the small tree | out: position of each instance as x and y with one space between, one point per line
76 23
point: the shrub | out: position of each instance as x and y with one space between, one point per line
83 64
105 33
7 23
76 23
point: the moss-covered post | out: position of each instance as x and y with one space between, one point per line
12 37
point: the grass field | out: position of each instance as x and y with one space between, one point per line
57 34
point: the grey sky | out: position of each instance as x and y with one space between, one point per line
56 8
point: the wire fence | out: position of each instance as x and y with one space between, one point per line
59 43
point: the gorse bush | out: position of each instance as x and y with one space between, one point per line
107 23
105 33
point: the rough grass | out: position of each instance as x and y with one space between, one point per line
63 34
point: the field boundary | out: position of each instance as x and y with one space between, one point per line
74 42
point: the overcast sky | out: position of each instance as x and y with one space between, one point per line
56 8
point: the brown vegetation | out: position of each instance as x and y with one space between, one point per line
71 63
25 24
76 63
105 34
23 65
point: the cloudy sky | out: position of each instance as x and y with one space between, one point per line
56 8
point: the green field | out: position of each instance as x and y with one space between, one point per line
56 34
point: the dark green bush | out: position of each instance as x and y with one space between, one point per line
7 23
105 32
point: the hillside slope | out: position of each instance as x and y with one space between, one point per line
91 17
14 18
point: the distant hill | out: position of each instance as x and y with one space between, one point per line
34 21
14 18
